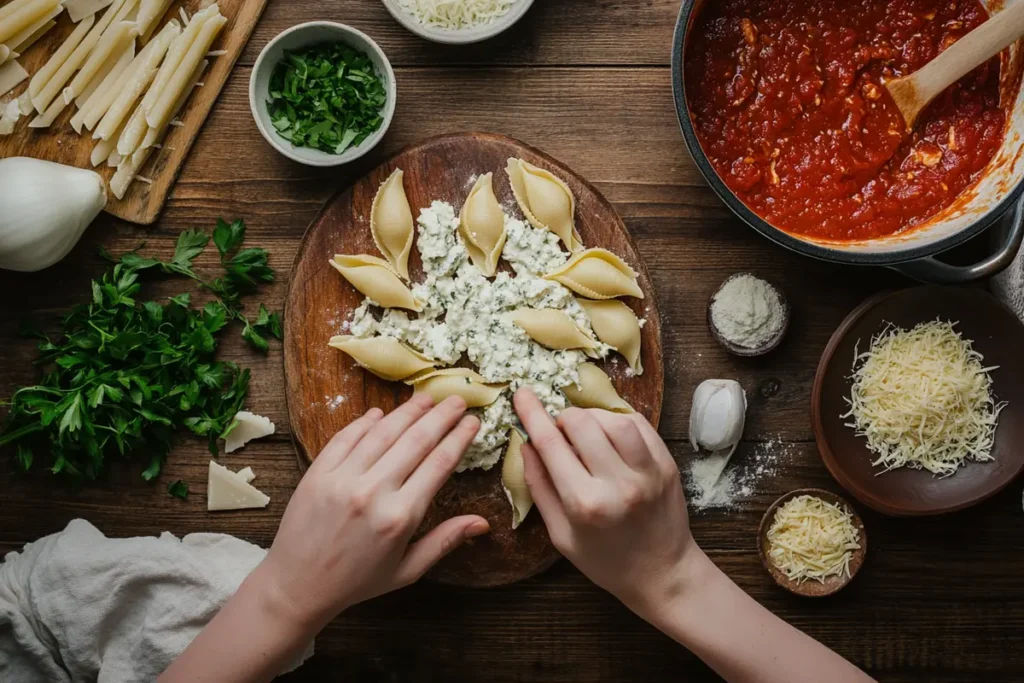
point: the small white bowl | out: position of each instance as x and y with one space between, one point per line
296 38
461 36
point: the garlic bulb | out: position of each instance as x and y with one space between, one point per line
717 416
44 209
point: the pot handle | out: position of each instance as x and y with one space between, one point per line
934 271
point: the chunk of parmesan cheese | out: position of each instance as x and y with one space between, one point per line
11 75
248 426
454 15
246 474
812 539
9 115
80 9
922 398
226 490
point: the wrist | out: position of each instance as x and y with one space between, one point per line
265 590
667 597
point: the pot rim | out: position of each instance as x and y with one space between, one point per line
819 251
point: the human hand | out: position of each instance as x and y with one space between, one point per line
345 535
611 498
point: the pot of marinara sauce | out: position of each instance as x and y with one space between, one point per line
782 107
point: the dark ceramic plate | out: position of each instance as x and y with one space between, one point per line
996 334
811 588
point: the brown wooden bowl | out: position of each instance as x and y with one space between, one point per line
811 588
995 332
745 351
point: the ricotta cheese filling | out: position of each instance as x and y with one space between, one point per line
464 316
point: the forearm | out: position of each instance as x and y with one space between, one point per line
250 640
740 639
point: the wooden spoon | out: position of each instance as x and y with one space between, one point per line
912 93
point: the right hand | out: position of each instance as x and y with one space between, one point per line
612 500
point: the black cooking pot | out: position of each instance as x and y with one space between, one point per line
997 191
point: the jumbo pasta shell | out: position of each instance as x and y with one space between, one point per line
597 274
595 390
440 384
482 226
546 201
552 328
513 479
615 324
391 223
383 356
375 280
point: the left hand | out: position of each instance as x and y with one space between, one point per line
345 535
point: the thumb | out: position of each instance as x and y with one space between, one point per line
441 540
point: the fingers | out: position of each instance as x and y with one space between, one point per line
657 448
434 470
418 440
558 457
386 432
589 439
545 496
441 540
342 443
625 437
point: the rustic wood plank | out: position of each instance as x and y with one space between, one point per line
568 630
566 32
651 171
959 622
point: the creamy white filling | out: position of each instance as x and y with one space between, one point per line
464 315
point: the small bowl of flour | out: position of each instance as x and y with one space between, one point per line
748 315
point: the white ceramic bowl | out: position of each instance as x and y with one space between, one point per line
305 35
462 36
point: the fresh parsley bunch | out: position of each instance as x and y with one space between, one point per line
124 376
328 97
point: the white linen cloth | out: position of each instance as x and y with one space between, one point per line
77 606
1008 286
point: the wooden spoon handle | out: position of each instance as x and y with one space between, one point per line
972 50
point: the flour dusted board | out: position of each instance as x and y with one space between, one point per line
326 390
62 144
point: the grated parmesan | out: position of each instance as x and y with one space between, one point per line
923 399
454 15
812 539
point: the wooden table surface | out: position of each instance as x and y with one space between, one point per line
588 82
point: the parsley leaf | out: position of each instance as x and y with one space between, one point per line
124 375
328 97
178 489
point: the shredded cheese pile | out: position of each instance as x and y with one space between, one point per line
812 539
454 15
923 399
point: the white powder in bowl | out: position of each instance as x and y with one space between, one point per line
747 311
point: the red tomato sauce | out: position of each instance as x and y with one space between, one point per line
788 104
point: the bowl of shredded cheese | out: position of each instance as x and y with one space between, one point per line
812 542
457 21
918 400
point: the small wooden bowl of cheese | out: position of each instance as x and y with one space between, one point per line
812 542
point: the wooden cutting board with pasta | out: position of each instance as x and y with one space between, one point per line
471 264
120 86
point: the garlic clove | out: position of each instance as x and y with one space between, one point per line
46 208
717 416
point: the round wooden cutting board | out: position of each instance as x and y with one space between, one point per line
326 390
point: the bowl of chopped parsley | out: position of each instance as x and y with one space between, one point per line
322 93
